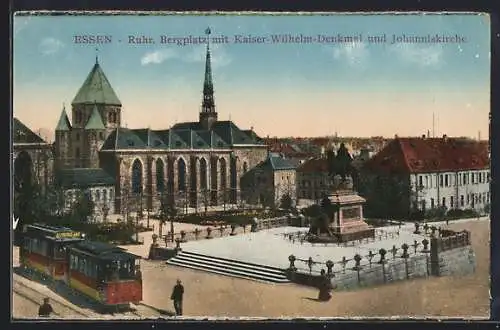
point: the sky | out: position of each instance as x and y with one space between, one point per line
354 88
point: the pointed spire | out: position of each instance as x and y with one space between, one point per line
97 56
208 104
95 121
63 124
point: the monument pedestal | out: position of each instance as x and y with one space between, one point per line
348 223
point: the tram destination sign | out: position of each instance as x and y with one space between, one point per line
69 234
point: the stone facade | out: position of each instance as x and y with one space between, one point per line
32 157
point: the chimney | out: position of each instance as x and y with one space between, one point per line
428 134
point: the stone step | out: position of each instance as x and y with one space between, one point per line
237 263
223 272
228 268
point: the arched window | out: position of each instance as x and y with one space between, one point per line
137 177
77 137
245 167
111 194
223 177
181 174
104 195
22 171
97 195
203 173
160 175
77 152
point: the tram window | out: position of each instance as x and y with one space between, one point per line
27 244
59 252
81 266
74 262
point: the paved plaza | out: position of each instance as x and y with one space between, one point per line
272 248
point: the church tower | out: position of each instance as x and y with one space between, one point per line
95 93
208 114
63 141
95 135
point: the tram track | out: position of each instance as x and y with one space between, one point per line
36 297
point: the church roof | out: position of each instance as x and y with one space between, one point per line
224 135
95 120
22 134
83 177
63 124
96 89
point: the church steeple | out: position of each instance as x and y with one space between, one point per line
208 114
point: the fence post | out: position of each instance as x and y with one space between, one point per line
357 267
405 256
310 264
370 257
382 253
329 267
344 263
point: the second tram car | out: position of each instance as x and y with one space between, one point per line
105 273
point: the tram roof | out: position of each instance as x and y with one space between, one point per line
55 232
104 251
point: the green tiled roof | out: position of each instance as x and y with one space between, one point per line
96 88
277 163
95 121
227 130
63 124
83 177
22 134
181 136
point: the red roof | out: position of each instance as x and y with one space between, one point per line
424 155
314 166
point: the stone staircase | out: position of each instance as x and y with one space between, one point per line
229 267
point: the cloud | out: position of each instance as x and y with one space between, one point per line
354 53
219 57
158 56
424 56
49 46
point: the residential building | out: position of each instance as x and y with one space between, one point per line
420 174
270 180
313 181
97 185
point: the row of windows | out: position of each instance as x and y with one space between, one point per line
464 200
451 180
38 246
96 195
101 136
83 266
112 117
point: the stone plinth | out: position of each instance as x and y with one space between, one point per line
348 223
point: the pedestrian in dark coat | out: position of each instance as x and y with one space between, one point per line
177 294
45 309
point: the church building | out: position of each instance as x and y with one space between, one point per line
192 163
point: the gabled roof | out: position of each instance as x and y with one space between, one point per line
277 163
95 120
227 130
316 165
180 136
63 124
22 134
427 155
83 177
96 88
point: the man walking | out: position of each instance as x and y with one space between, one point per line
45 309
176 296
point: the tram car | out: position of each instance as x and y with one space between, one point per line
44 249
103 272
106 273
